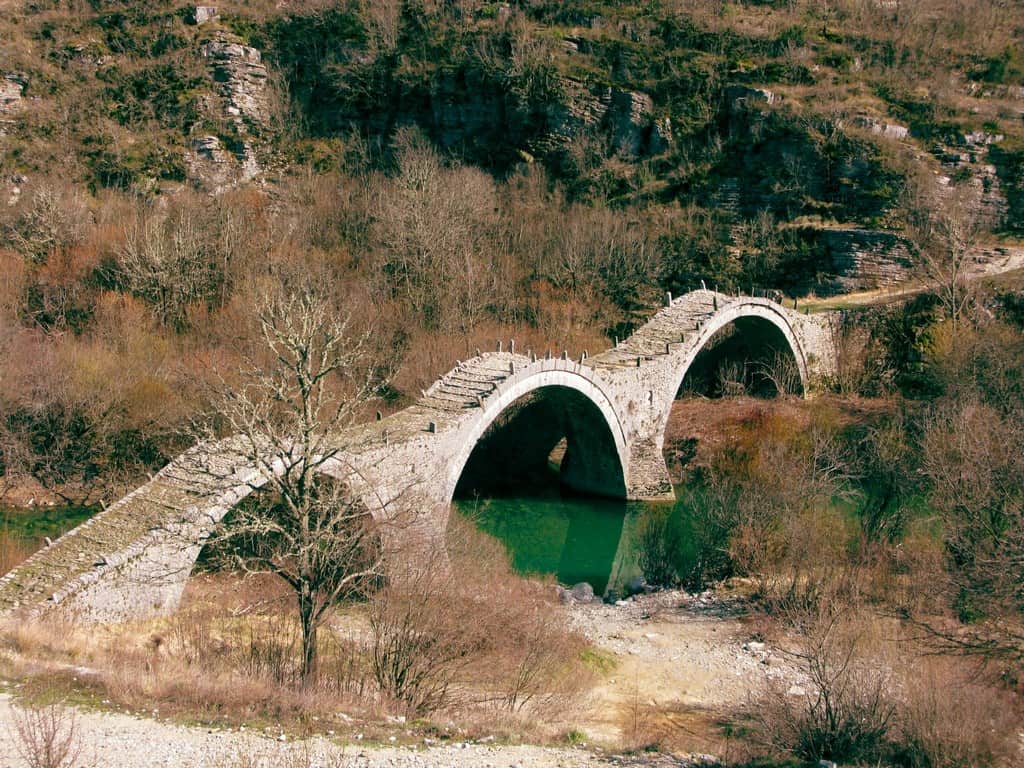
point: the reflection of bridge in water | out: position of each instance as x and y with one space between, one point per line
504 409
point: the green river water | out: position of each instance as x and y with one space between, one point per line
575 538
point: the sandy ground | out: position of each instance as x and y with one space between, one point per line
690 656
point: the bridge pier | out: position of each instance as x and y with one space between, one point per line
648 475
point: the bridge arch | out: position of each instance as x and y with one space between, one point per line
761 310
542 377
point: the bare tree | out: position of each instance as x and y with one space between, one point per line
175 260
973 457
437 228
309 379
51 222
942 230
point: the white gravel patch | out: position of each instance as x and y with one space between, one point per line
114 740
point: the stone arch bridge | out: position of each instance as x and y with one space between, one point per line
610 409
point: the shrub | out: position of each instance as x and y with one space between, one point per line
973 729
470 630
659 544
47 735
845 713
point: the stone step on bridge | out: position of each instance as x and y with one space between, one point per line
134 558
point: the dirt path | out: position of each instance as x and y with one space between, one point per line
988 263
113 740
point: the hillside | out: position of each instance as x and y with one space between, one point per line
476 170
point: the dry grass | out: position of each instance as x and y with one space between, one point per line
14 550
229 655
232 655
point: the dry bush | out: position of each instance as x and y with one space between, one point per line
974 728
639 721
14 549
659 545
767 509
13 279
846 709
330 213
52 220
973 459
487 645
866 697
471 631
56 636
47 735
384 23
781 371
860 366
189 254
436 233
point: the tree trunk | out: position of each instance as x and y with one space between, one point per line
309 629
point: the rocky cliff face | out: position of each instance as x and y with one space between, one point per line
626 118
240 98
11 88
967 165
466 112
861 259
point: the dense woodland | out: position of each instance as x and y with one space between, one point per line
453 173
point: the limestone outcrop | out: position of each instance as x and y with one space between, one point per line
628 118
881 127
12 87
463 111
862 259
241 100
968 164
